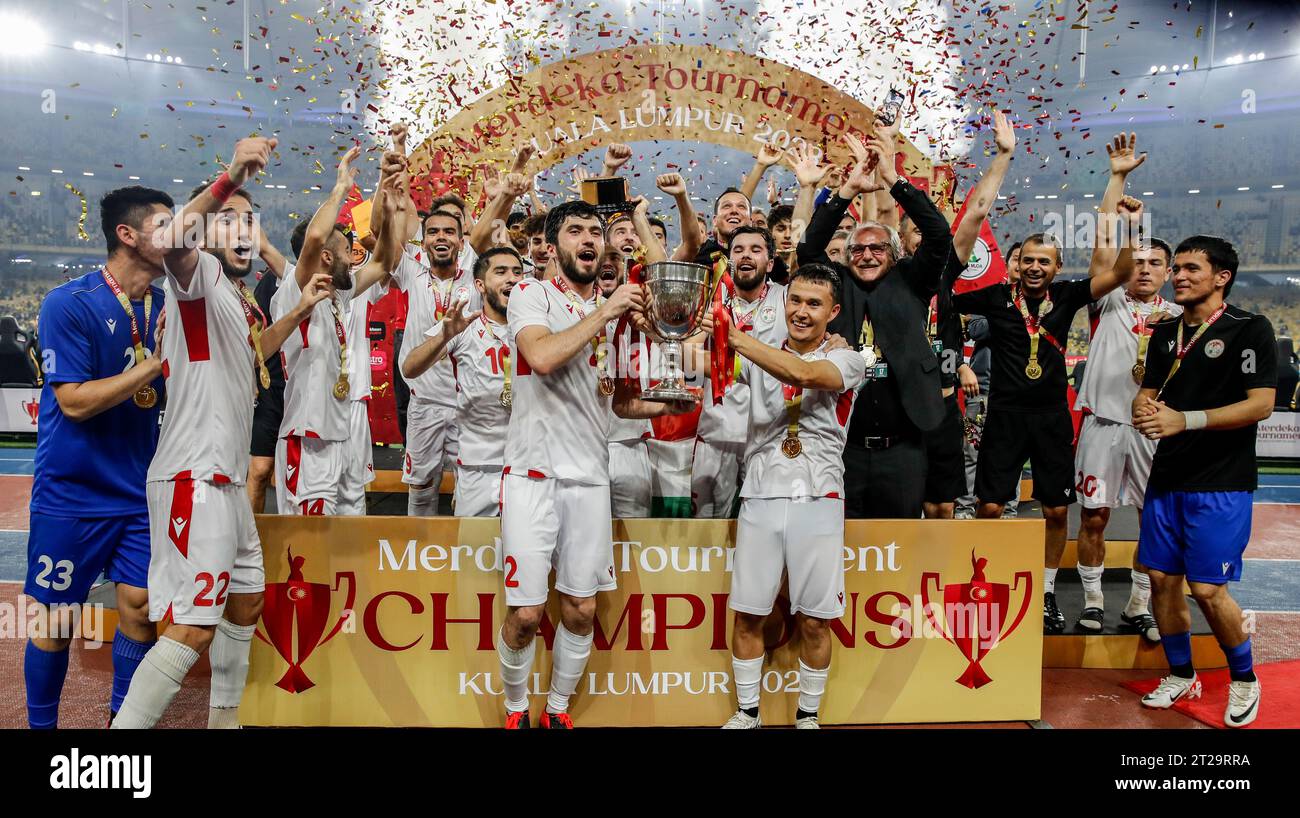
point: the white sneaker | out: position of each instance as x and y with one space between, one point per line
1243 703
743 721
1171 689
807 723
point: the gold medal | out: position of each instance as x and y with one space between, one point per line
791 447
341 388
1033 371
507 397
264 377
869 356
146 397
1139 372
606 385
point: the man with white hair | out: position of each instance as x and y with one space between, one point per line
885 301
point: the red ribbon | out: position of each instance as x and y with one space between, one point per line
634 276
722 371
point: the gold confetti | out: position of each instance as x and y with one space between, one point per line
81 221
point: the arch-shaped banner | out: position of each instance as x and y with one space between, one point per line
669 92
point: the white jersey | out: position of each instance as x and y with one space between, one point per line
479 356
630 358
1108 388
728 422
428 297
209 364
358 333
559 426
312 356
818 471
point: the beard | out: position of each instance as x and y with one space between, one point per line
231 265
569 266
341 273
754 279
496 301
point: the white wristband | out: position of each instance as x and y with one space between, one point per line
1195 420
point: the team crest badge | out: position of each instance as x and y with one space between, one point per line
768 314
978 263
1214 348
462 293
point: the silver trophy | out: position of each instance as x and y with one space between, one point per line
679 294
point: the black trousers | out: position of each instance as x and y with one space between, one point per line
885 483
401 392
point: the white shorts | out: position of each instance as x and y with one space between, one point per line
804 538
478 491
431 437
203 547
548 523
630 491
358 463
1112 464
715 478
309 475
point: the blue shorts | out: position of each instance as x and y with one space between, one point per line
1198 534
65 555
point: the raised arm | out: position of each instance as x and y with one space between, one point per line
768 155
936 242
1104 280
809 171
322 223
434 348
692 233
1124 159
787 367
654 251
482 237
273 258
980 200
388 239
181 239
317 290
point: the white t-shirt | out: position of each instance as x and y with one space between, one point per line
728 422
1108 388
209 364
311 357
637 358
479 356
559 426
425 292
823 429
358 332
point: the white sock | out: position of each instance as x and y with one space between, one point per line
748 676
422 502
1049 580
1090 575
229 658
516 665
156 682
567 665
812 684
1139 595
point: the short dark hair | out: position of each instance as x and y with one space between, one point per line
819 273
515 217
448 199
718 200
299 235
574 209
424 219
779 213
1045 240
751 230
534 224
1220 252
655 221
194 194
481 265
1163 245
130 206
1012 252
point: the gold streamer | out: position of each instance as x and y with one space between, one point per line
81 222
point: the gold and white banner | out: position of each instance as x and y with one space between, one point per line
392 621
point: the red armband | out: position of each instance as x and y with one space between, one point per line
223 188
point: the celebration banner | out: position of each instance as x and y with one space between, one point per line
687 93
392 621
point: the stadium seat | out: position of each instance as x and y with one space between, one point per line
17 367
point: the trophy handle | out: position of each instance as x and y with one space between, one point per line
352 598
1024 606
925 603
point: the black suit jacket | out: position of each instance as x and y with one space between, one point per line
898 303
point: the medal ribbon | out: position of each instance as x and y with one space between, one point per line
932 320
597 342
793 396
1033 324
1140 324
256 323
126 305
435 286
1181 351
343 340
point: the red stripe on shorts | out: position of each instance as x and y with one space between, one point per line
181 515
